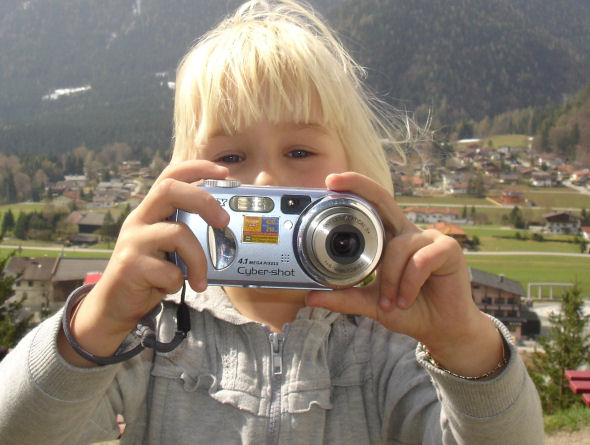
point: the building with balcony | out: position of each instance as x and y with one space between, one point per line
45 282
501 297
562 223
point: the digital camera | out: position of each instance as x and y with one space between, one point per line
286 237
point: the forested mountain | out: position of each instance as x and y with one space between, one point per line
471 58
464 59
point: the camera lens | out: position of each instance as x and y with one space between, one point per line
345 244
338 240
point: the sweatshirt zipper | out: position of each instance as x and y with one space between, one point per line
276 363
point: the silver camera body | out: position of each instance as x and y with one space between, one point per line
284 237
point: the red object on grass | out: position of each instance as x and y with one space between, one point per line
577 375
92 277
580 384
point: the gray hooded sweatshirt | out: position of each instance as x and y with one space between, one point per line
327 378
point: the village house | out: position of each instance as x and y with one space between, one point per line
581 177
88 223
526 172
430 215
512 197
541 179
459 189
32 281
508 178
453 231
490 169
501 297
45 283
562 223
549 160
75 182
70 274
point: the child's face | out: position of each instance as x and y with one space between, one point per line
283 154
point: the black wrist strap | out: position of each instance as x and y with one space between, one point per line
144 332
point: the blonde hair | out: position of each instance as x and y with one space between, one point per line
275 60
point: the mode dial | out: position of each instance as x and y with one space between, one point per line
224 183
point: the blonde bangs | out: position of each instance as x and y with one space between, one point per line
276 62
256 73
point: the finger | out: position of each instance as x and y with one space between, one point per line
171 194
393 217
177 237
355 300
398 253
156 206
162 275
433 260
192 171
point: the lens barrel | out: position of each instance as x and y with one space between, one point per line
339 240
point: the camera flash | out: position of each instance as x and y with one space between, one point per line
259 204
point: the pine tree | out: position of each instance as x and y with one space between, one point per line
121 219
7 221
22 225
108 231
564 347
13 325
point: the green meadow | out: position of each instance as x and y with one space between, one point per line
536 268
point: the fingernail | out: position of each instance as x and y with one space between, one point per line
385 303
202 286
223 219
401 302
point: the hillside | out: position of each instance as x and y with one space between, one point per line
470 58
465 59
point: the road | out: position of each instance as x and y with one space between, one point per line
545 308
513 253
479 206
469 253
54 248
582 190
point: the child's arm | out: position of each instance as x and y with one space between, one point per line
138 274
44 399
423 290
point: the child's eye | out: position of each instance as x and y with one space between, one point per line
299 153
230 159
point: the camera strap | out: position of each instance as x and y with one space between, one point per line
145 332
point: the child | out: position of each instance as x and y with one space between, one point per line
269 97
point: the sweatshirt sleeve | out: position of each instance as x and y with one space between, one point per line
503 410
419 403
44 399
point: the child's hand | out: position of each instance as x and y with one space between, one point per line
138 274
422 288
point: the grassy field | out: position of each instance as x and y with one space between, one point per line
544 200
500 140
555 198
452 201
535 268
86 253
498 239
22 207
571 419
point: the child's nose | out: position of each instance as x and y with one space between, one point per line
265 177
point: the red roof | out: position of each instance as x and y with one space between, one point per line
448 229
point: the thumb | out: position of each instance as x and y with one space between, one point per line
354 301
